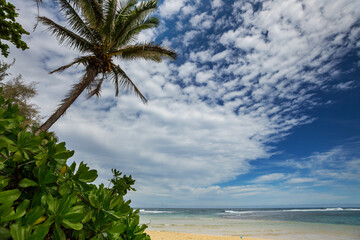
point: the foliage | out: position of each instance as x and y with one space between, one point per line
20 93
41 197
10 30
102 30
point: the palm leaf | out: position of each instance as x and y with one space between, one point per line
121 80
133 33
75 21
79 60
66 37
126 23
94 87
92 12
110 13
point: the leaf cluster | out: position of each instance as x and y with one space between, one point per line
10 30
41 197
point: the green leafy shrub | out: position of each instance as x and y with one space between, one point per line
41 197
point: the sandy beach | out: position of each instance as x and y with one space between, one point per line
163 235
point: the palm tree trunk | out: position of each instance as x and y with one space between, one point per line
73 95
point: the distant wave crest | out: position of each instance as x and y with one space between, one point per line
321 210
143 211
232 212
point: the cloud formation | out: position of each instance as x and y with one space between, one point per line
244 77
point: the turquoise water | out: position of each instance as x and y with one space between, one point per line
279 223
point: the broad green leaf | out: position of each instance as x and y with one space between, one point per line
112 215
64 155
58 233
134 221
19 232
6 141
33 215
6 210
2 165
41 230
27 183
77 226
3 182
46 177
9 196
20 211
51 203
140 237
65 188
75 214
84 175
117 228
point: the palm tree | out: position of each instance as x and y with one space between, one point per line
102 30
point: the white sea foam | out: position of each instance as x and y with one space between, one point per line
321 210
237 212
232 212
143 211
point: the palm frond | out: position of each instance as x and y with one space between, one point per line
126 6
125 23
145 51
121 80
131 36
110 9
75 21
92 12
79 60
66 36
95 87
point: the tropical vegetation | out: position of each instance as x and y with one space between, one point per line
102 31
42 197
10 30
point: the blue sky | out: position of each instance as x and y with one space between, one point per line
261 108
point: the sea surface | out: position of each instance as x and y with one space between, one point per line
271 223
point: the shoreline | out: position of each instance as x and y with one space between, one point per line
166 235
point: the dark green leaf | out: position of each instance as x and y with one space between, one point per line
20 211
117 228
77 226
59 233
27 183
19 232
34 214
9 196
84 174
41 230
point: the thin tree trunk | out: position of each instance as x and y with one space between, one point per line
73 95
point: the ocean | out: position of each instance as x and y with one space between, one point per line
271 223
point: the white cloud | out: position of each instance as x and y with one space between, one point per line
188 10
189 36
202 20
205 76
269 177
345 85
183 143
216 3
301 180
339 163
170 8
